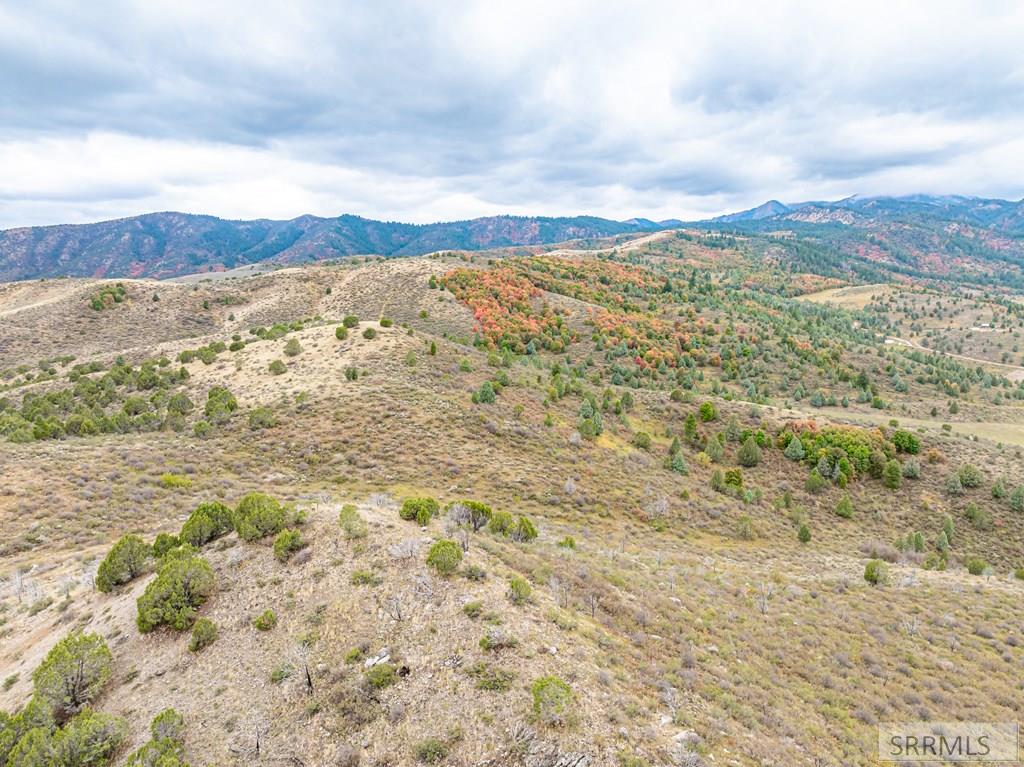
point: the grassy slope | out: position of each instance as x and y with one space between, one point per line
770 651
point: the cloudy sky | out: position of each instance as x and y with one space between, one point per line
435 110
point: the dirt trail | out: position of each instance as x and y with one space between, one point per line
9 300
636 244
1017 372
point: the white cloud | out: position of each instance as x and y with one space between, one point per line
424 111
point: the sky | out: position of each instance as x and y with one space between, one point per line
437 110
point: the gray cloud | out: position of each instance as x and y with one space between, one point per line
418 110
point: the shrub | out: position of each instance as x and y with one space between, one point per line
163 543
350 321
749 453
128 559
892 474
265 621
496 639
970 476
180 403
259 515
1017 499
804 534
876 572
519 590
906 442
220 404
91 738
947 528
364 578
204 632
642 440
431 750
419 509
341 332
976 565
472 513
293 348
953 485
708 412
568 542
815 482
171 599
385 322
175 481
485 395
209 521
369 334
473 609
73 673
978 517
1019 573
491 679
380 676
352 524
551 699
912 469
523 531
287 543
844 508
445 557
500 523
795 449
277 367
167 725
202 429
734 479
262 417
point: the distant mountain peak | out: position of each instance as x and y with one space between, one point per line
764 210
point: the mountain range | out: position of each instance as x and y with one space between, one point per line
870 237
171 244
1002 215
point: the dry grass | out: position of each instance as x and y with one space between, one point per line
772 652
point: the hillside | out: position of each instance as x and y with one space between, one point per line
161 245
662 471
939 239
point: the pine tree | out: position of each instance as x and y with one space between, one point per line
795 449
892 474
714 450
749 454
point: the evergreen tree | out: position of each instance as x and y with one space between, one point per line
892 474
795 449
749 453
